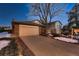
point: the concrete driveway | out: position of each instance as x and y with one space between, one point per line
44 46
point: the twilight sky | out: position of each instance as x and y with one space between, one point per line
20 11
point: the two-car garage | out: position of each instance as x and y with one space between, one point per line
25 29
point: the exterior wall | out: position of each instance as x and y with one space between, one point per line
24 30
72 20
52 28
42 31
76 30
58 27
27 30
73 17
15 29
55 28
74 9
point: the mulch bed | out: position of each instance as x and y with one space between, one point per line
11 49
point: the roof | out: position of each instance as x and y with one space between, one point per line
72 10
26 23
76 27
55 22
74 7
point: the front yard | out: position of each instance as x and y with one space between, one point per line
9 49
39 46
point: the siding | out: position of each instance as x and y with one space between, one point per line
76 30
15 29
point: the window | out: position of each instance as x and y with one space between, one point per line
73 25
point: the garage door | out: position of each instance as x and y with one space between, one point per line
28 30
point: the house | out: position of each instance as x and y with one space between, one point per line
54 27
74 19
66 30
42 29
26 28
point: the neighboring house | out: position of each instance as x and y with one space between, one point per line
54 27
74 19
5 29
28 28
65 30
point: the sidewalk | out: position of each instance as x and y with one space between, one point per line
43 46
70 40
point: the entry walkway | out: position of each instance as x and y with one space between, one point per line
44 46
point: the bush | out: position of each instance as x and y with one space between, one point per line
56 35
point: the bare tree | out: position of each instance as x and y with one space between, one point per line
46 11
